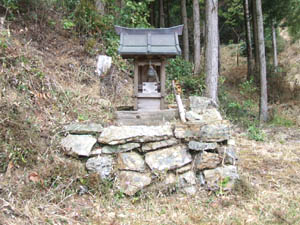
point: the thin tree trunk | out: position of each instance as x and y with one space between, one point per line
255 35
156 13
161 14
152 14
274 43
211 50
219 54
185 31
197 44
248 40
167 13
263 115
203 26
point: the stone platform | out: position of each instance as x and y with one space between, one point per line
149 118
185 156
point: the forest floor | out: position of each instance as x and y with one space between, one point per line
41 187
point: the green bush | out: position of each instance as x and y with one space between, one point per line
255 133
181 70
134 14
279 120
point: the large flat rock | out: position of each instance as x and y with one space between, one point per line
78 145
114 135
131 182
168 158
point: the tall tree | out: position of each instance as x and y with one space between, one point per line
274 44
211 49
167 14
255 37
263 114
186 52
152 14
161 14
197 43
248 39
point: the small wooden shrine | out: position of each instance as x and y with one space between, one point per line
149 48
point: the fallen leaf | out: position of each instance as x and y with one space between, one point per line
34 177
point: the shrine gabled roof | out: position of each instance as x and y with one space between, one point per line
149 42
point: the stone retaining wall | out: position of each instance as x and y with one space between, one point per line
197 154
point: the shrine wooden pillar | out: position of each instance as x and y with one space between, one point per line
162 83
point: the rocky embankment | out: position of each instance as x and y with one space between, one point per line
186 156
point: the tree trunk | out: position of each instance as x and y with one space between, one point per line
156 13
100 6
161 14
211 49
197 44
274 43
255 35
263 115
167 14
185 31
248 40
152 14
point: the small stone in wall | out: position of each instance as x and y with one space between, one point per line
201 146
192 116
159 144
187 182
214 177
103 165
207 160
81 128
131 161
113 149
217 132
119 135
131 182
168 158
96 152
187 131
228 152
78 145
183 169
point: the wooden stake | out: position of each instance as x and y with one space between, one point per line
179 103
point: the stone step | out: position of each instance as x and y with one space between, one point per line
152 118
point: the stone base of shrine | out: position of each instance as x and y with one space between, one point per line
152 118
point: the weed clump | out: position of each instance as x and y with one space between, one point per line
243 188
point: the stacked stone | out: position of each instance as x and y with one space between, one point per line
187 156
